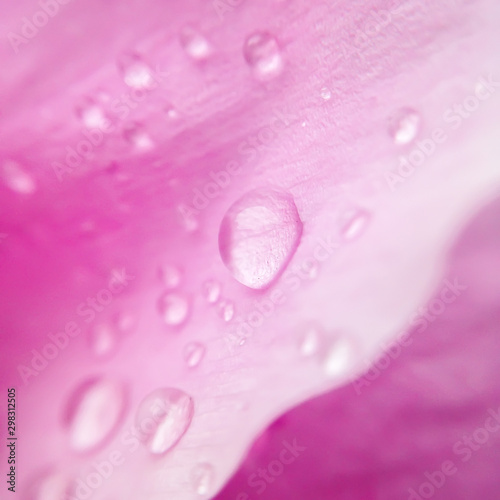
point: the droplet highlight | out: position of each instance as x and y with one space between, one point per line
91 114
226 310
103 339
194 43
138 138
263 55
163 417
211 291
355 225
193 354
93 412
404 126
259 235
170 276
326 94
339 358
136 73
203 476
173 308
17 178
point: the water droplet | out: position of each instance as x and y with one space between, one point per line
170 276
91 114
259 235
356 223
51 486
339 358
174 308
103 339
17 178
310 341
203 477
193 354
211 291
135 71
135 135
263 55
163 418
194 43
404 126
326 93
226 310
93 413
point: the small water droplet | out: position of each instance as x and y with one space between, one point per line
91 114
326 93
193 354
259 235
211 291
135 71
339 358
174 308
170 112
404 126
170 276
203 477
17 178
163 417
263 55
355 225
103 339
93 413
310 341
194 43
135 135
226 310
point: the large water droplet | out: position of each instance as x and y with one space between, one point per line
93 413
211 291
194 43
404 126
355 224
203 478
164 417
193 354
263 54
17 178
259 235
135 71
174 308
